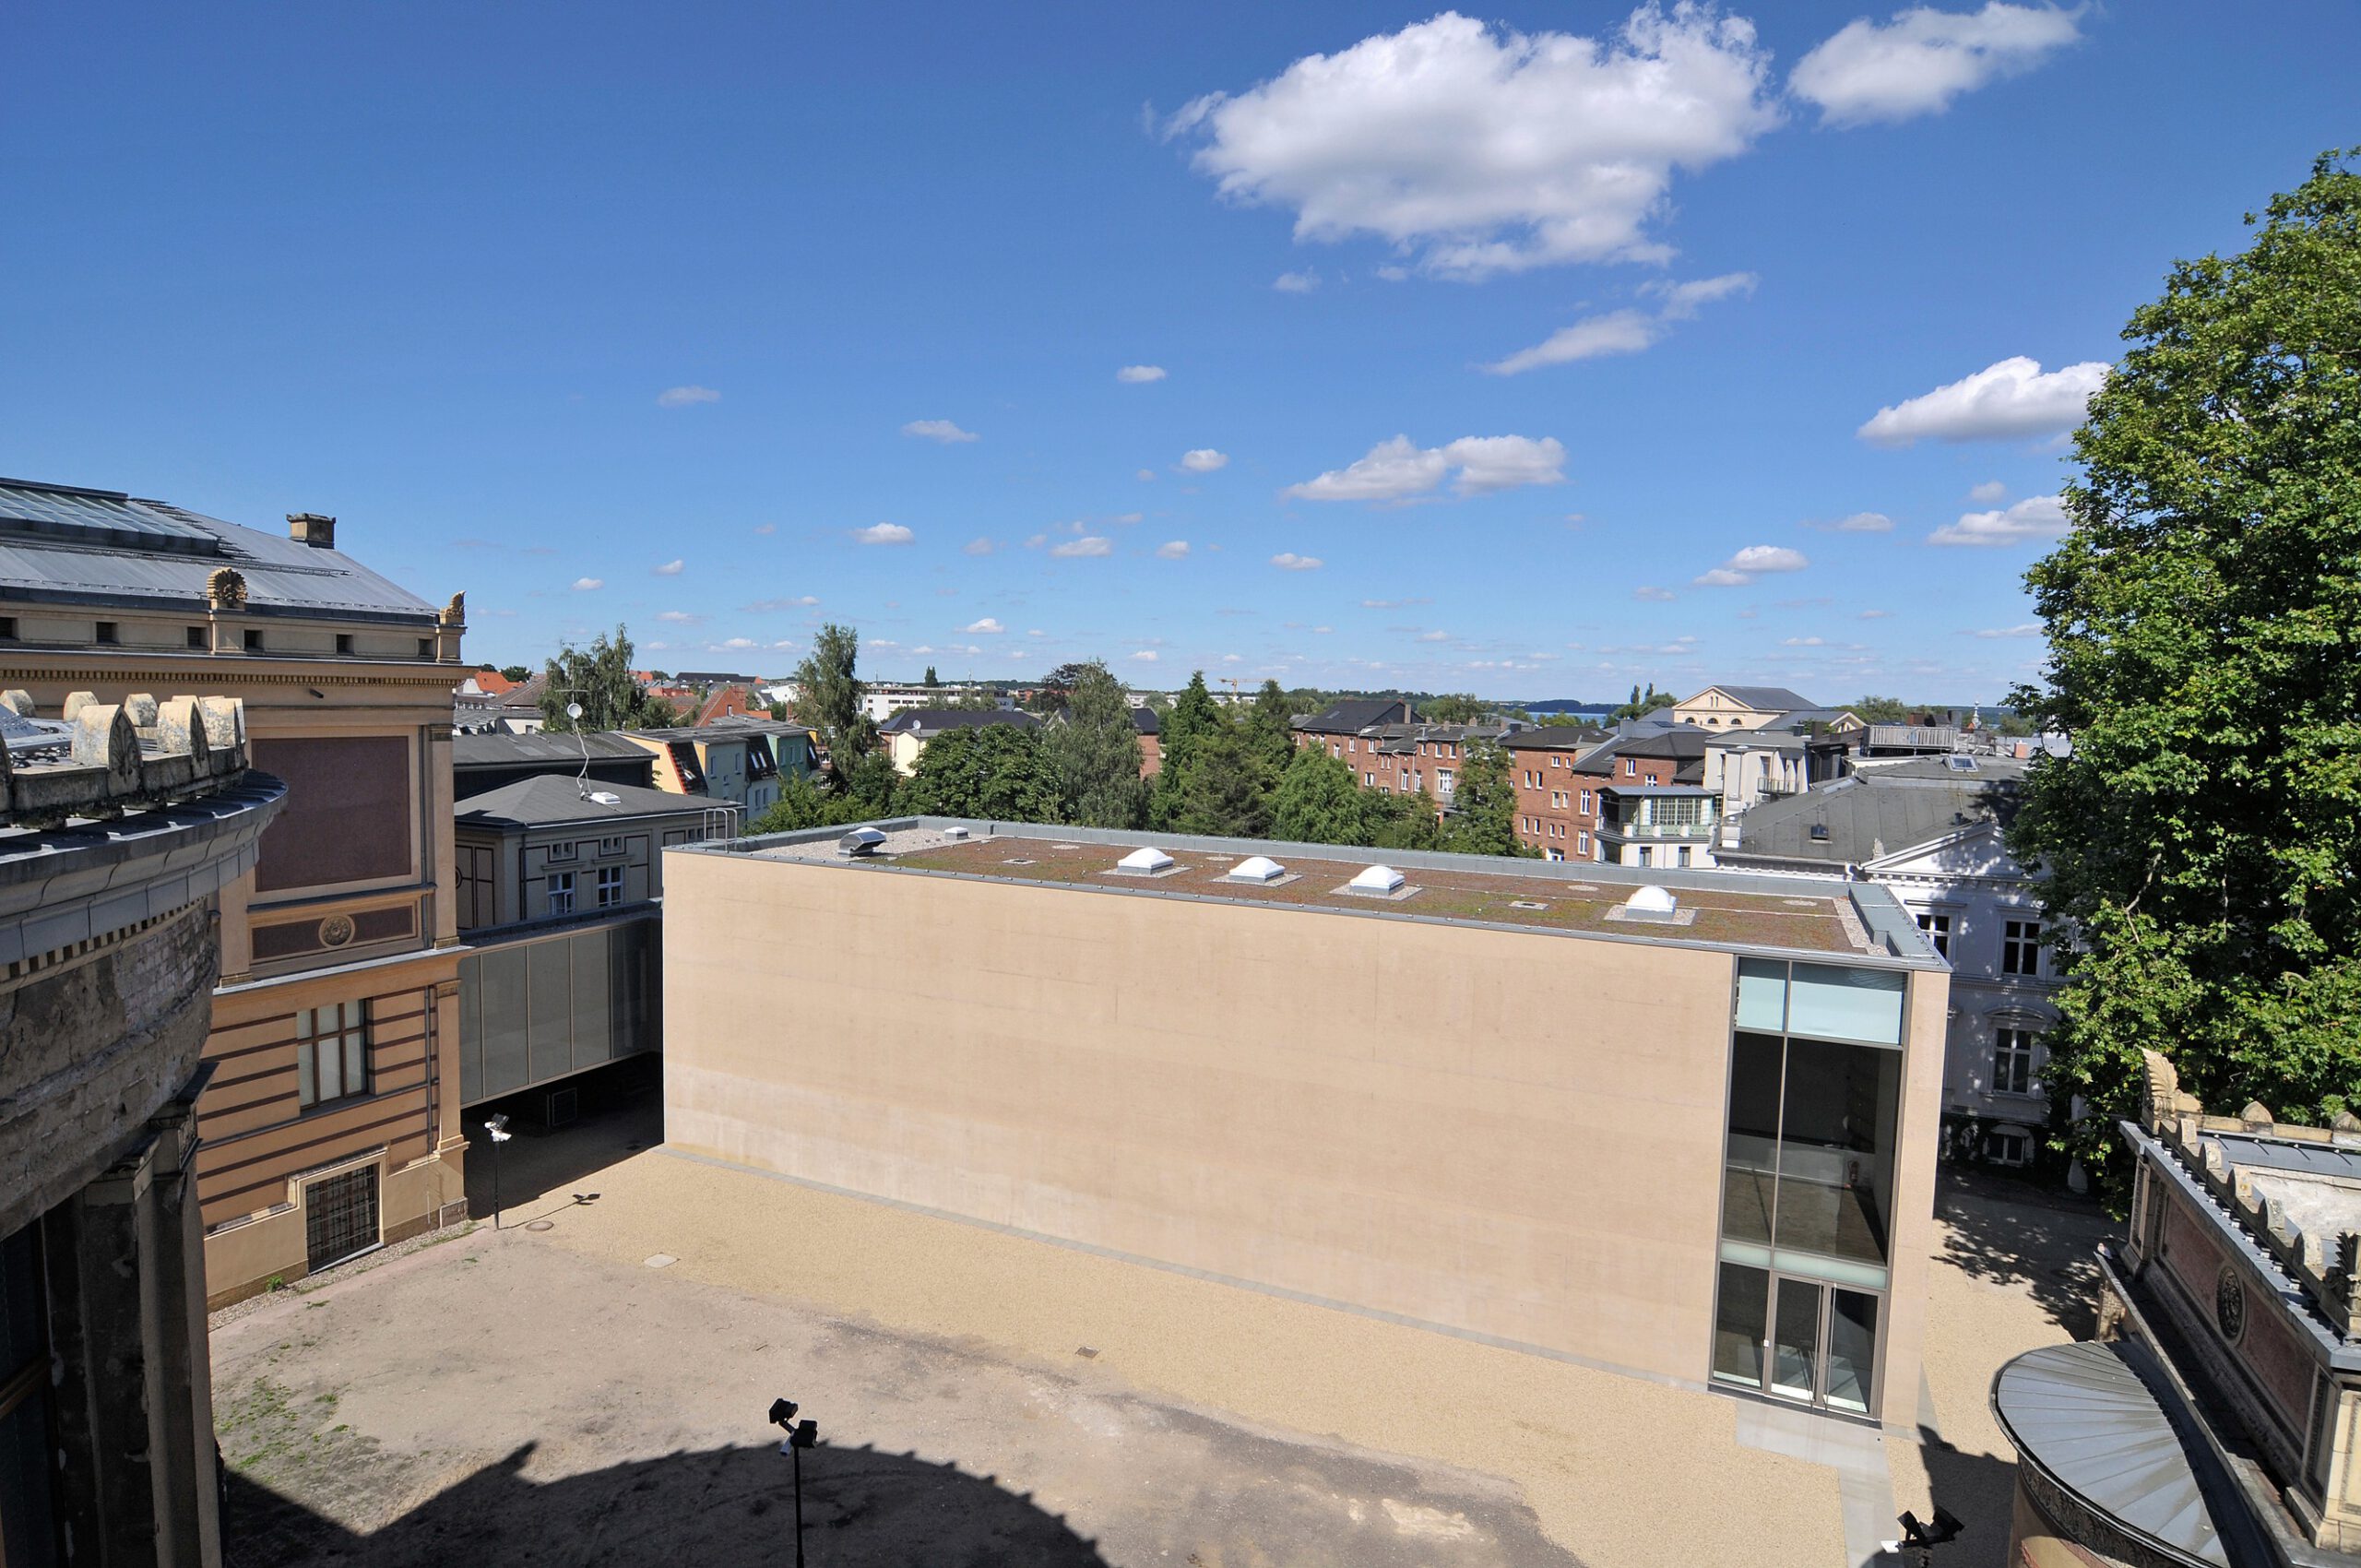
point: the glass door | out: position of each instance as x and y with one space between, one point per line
1796 1338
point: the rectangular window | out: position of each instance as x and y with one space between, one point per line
254 639
1582 842
2013 1061
1443 777
1647 855
1938 931
107 632
331 1053
611 886
611 846
344 641
196 639
2006 1148
1684 854
2021 948
426 648
7 628
567 851
1630 767
560 893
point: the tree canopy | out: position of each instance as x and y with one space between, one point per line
2202 614
598 679
1482 819
992 771
828 692
1093 755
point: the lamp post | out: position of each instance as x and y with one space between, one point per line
498 1127
1921 1539
801 1435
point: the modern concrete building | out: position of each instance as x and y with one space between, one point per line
1679 1126
327 1125
1933 831
119 836
2216 1421
559 892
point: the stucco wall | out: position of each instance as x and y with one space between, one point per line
1534 1151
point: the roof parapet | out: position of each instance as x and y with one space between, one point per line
2325 1267
106 758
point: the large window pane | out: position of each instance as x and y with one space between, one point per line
1750 1162
1762 995
1852 1350
1739 1319
1835 1147
1795 1340
1843 1003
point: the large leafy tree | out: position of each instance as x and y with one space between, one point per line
2205 623
1270 729
1227 788
1093 755
1482 820
994 770
1318 801
828 692
598 679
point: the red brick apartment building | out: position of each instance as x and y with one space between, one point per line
1390 752
1561 777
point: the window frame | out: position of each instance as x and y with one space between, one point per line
2020 947
352 1031
556 884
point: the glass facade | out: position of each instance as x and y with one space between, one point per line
1807 1180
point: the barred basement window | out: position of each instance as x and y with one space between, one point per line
331 1053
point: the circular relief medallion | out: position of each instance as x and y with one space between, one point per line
2230 1304
336 930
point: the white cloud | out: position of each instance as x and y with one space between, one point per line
1752 562
1035 541
1090 544
1486 152
1877 615
738 644
2011 398
883 533
1148 475
1233 659
1137 374
1625 331
583 584
982 544
939 430
684 397
1862 522
1920 61
1990 492
1173 549
679 617
806 602
987 627
2036 516
671 568
1654 595
2027 630
1204 460
1397 469
1288 561
1802 642
1145 656
766 528
1301 282
1434 636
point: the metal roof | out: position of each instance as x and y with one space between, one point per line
1683 792
2088 1416
2279 1153
1764 699
62 543
500 751
550 801
1877 811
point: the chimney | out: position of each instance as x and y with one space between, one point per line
309 528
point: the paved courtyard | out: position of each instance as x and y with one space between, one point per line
593 1391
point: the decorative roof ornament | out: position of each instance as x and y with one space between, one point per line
456 612
226 588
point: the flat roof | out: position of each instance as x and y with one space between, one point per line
1860 921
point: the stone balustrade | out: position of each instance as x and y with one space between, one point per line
102 759
2325 1266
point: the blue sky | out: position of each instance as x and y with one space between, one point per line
639 314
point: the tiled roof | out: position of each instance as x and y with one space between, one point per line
1355 715
930 720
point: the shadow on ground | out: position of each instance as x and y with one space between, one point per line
621 1114
728 1505
2022 1236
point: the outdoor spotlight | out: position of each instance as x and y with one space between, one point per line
783 1412
805 1436
498 1127
1922 1536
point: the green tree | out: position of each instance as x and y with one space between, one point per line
1317 801
977 699
1270 729
1882 710
598 679
1227 788
1093 756
828 692
929 679
1482 820
1193 721
2201 840
1463 708
513 671
1402 822
803 803
995 771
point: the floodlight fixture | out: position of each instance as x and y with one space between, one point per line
801 1435
497 1125
783 1412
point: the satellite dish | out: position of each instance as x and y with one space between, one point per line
573 710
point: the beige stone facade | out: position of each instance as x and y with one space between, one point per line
1195 1081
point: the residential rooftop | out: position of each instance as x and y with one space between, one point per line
1860 921
551 799
1879 811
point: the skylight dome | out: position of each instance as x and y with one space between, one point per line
1377 879
1145 859
1651 900
1256 868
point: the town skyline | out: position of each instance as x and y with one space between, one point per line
1006 363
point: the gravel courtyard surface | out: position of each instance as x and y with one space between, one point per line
594 1392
